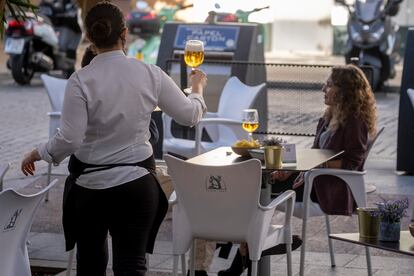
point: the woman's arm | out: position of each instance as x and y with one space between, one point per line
185 110
355 144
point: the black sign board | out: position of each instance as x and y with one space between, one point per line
215 38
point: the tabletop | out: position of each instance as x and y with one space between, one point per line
405 246
307 159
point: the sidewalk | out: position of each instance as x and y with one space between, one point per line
24 124
47 243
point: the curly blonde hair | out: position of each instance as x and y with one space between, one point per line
353 97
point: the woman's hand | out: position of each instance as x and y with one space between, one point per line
198 81
299 181
280 175
28 166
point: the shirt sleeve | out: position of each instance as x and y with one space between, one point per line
73 125
185 110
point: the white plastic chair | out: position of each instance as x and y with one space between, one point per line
221 203
308 208
16 216
223 127
55 88
3 169
369 188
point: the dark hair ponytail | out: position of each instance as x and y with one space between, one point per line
104 24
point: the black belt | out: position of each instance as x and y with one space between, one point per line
77 167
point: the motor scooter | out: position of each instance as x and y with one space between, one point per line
43 42
373 38
239 16
146 24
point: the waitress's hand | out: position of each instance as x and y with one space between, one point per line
198 81
280 175
28 166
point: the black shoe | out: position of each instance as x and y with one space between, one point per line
281 248
239 264
198 273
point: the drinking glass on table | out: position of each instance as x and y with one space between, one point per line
193 56
250 121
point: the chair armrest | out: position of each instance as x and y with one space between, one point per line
54 114
346 175
223 121
354 180
289 198
211 121
279 200
173 198
211 115
325 171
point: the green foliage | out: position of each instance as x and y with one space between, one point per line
273 141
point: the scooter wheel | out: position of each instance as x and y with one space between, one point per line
21 71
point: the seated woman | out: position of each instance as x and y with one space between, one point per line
348 123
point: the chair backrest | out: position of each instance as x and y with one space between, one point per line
55 88
410 93
16 217
219 201
371 143
3 169
235 97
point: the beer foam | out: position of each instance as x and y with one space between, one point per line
194 46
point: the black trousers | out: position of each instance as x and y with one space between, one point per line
278 187
127 212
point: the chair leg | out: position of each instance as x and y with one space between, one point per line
289 259
254 268
330 245
192 258
175 265
183 266
49 172
303 247
70 262
368 256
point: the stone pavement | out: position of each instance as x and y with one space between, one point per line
24 123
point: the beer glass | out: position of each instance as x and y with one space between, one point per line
250 121
193 56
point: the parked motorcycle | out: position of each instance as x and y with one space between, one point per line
372 37
239 16
147 25
43 42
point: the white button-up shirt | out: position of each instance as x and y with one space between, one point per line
106 114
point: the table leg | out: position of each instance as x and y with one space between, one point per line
264 263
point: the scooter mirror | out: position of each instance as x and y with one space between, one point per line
141 5
217 5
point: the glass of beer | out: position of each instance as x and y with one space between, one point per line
250 121
193 56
